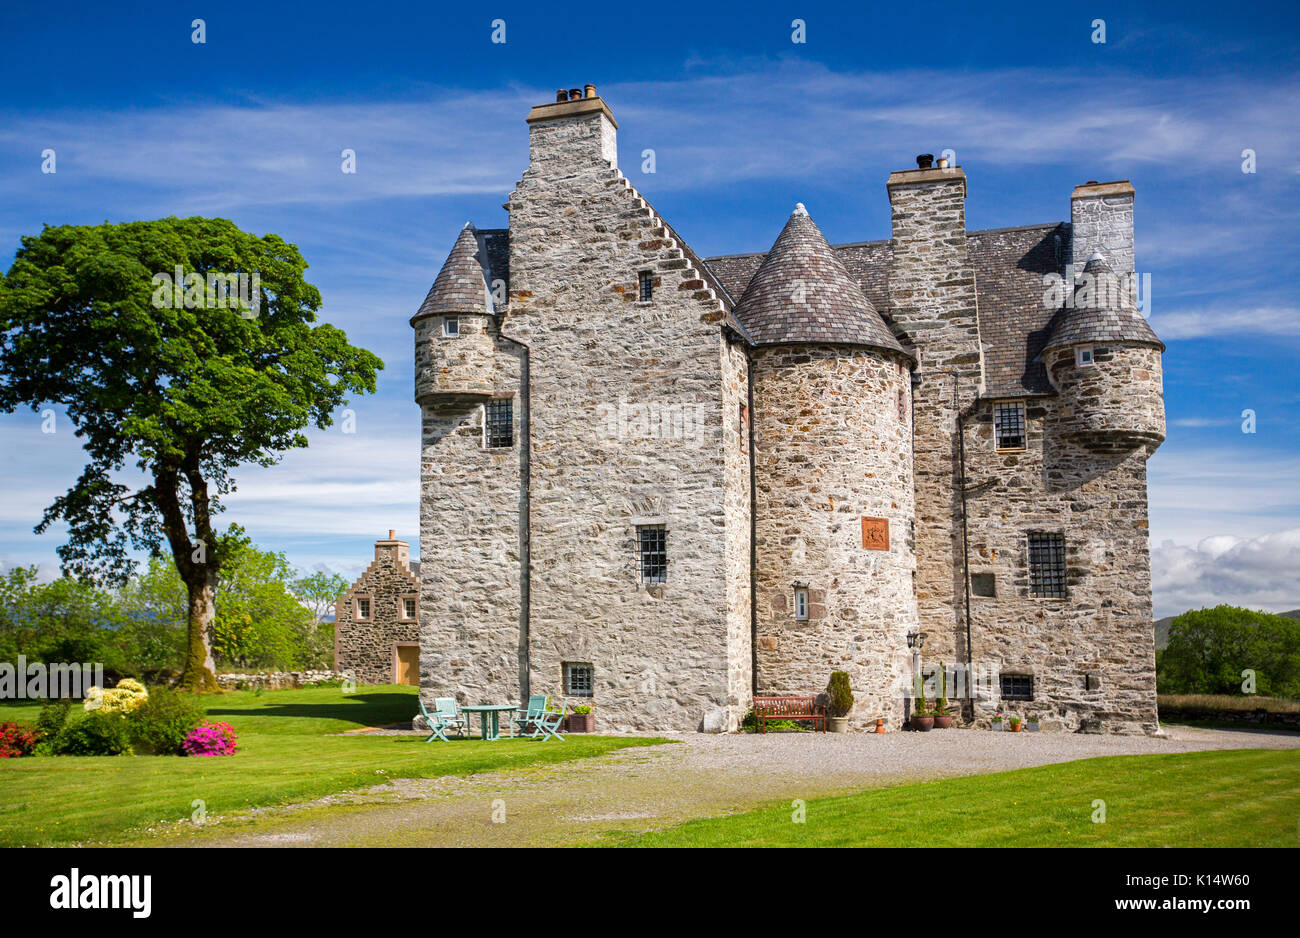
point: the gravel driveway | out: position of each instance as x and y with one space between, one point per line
655 787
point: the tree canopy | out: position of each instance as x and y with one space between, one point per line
1210 648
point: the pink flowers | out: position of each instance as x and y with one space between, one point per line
210 739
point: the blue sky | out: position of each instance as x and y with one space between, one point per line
744 123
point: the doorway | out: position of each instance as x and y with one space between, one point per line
406 663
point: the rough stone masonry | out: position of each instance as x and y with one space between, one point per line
662 485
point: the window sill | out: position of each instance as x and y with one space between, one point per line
1003 451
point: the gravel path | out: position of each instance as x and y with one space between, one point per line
660 786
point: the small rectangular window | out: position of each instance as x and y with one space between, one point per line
801 604
1009 425
1047 566
902 407
1017 686
451 327
363 608
499 422
408 608
645 286
744 428
579 680
652 552
983 584
1083 356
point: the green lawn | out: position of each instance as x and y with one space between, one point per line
283 757
1242 798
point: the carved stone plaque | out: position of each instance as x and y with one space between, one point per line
875 533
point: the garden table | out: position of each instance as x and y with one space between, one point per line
489 719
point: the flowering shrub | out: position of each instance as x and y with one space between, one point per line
128 696
211 739
16 740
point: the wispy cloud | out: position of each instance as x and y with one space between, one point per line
1258 572
1218 322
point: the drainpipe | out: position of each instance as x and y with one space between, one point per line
965 543
525 518
753 532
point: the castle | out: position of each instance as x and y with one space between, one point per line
669 484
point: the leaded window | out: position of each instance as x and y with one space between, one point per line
1047 566
1009 424
579 680
645 286
1017 686
652 552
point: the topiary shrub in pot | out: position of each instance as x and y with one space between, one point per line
922 719
839 701
942 718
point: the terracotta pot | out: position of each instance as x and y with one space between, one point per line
1017 727
922 723
838 724
943 721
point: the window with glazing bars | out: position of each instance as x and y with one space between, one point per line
652 551
500 422
1017 686
1047 565
1009 425
579 680
645 286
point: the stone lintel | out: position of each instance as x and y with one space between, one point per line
1097 190
560 109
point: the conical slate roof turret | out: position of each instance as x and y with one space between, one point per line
460 287
802 294
1102 311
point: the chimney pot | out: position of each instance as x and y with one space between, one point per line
589 91
561 95
575 94
1091 182
391 532
924 160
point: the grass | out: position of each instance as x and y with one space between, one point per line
1239 798
1247 704
284 757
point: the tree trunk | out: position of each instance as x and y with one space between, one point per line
200 669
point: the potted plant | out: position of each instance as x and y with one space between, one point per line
839 701
1016 724
922 719
1032 724
942 718
581 720
997 722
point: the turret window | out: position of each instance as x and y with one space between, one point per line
645 286
451 327
499 423
801 603
1009 425
1083 356
1047 566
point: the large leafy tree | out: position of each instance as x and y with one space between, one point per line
187 391
1210 648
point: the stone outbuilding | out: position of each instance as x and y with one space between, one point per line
664 484
377 620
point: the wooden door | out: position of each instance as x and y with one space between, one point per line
408 664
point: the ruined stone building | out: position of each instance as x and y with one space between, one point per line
669 483
376 620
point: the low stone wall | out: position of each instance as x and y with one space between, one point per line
1260 718
275 680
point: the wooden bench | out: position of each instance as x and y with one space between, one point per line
788 708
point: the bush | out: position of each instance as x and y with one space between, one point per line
839 695
164 720
54 713
127 697
211 739
1209 649
95 734
17 740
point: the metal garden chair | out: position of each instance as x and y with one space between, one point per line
445 716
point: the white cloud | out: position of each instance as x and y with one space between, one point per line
1257 572
1221 321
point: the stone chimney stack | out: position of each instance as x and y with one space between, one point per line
577 130
932 302
1101 221
393 549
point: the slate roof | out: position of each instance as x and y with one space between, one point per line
1109 316
1009 265
802 293
460 286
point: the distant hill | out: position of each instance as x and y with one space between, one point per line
1162 627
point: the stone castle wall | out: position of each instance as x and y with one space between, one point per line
833 446
1114 403
630 427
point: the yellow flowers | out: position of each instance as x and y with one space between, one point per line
129 695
